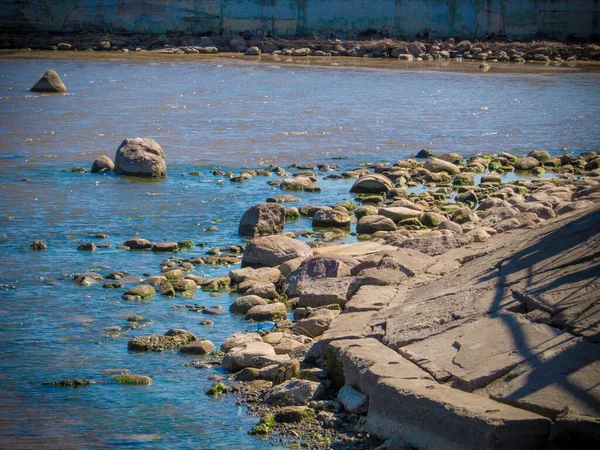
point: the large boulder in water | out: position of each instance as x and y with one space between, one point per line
50 82
142 157
262 219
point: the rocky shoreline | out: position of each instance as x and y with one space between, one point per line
465 317
489 49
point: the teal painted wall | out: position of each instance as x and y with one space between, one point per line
515 18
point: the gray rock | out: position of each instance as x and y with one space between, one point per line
262 275
264 290
50 82
242 356
241 305
270 312
141 157
274 250
263 219
436 165
103 164
372 184
328 218
295 392
526 163
316 323
143 291
372 223
138 244
315 268
201 347
324 291
353 401
238 339
399 213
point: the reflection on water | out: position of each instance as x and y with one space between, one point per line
211 113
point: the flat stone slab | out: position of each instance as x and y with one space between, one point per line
362 363
480 352
324 291
425 414
353 250
557 379
371 298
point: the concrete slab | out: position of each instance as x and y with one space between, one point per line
428 415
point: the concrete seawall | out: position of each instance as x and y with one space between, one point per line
517 19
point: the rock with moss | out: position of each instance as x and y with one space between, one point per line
173 339
264 426
219 388
141 292
77 382
184 245
133 379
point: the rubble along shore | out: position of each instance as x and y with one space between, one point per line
408 49
470 323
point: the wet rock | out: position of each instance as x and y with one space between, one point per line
295 392
103 164
252 51
141 157
300 184
274 250
331 218
87 279
138 244
77 382
172 339
270 312
50 82
141 292
38 245
214 310
285 198
243 355
165 247
241 305
133 379
88 247
262 219
218 388
372 184
201 347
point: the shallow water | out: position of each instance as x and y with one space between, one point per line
219 112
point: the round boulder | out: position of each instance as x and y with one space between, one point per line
201 347
262 219
141 157
372 224
103 164
50 82
242 356
241 305
372 184
328 218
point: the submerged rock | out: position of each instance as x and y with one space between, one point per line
157 343
133 379
50 82
38 245
103 164
78 382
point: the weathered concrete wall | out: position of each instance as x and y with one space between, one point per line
515 18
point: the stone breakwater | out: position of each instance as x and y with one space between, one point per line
465 317
420 49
